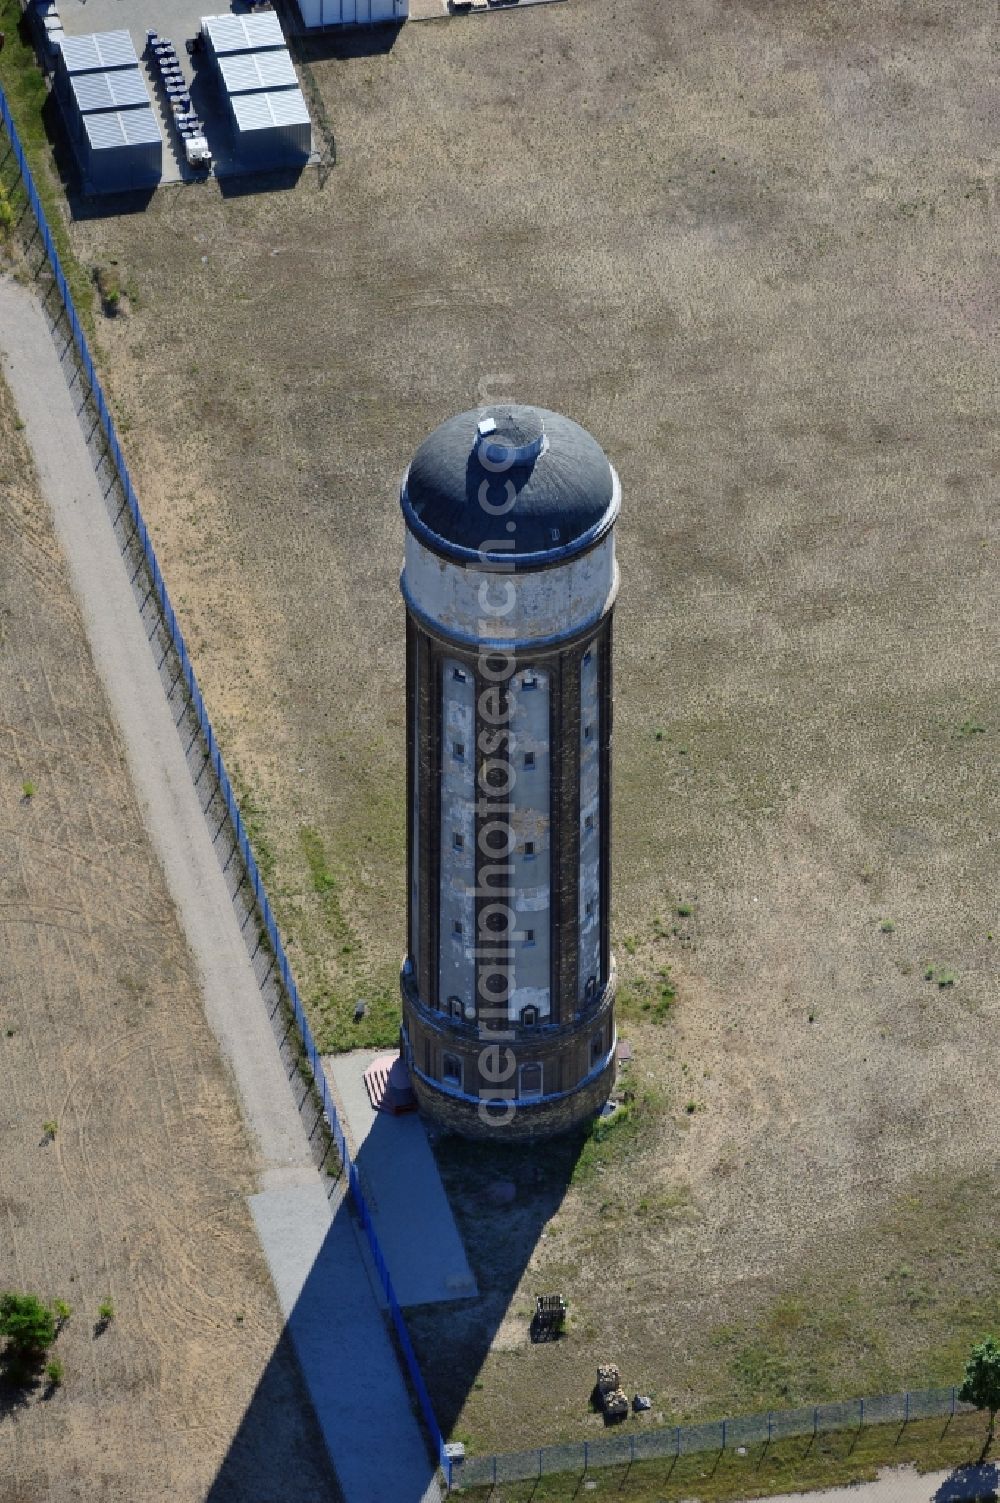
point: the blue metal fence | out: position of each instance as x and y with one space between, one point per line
177 642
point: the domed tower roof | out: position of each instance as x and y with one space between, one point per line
530 480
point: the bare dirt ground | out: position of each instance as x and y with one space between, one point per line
748 246
140 1195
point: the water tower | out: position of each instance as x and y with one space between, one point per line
509 580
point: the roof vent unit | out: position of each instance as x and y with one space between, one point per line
506 438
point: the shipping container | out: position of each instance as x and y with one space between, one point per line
93 93
121 150
271 129
250 72
246 33
352 12
95 53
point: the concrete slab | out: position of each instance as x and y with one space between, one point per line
176 20
341 1343
413 1220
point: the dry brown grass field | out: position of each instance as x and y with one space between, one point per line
746 244
139 1197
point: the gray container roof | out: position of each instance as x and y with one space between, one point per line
243 33
265 111
120 89
249 72
122 128
97 51
456 495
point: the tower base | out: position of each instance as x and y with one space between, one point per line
527 1121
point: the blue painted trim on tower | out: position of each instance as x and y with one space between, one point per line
528 1102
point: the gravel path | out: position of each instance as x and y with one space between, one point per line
385 1457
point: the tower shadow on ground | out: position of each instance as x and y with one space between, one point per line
278 1440
500 1235
281 1429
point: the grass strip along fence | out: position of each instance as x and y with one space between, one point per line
156 601
635 1446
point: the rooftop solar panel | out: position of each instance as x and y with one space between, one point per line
98 50
263 111
121 88
121 128
243 33
249 72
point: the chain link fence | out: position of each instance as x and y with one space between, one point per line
622 1449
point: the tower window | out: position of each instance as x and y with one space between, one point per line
451 1069
530 681
596 1047
457 841
530 1081
455 1006
458 750
529 936
591 987
456 927
459 675
529 1016
589 907
588 732
588 823
587 658
529 849
529 759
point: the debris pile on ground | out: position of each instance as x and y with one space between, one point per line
613 1398
615 1404
641 1401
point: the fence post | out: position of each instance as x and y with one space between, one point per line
906 1411
770 1426
723 1434
953 1402
677 1441
539 1461
862 1403
816 1421
586 1455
